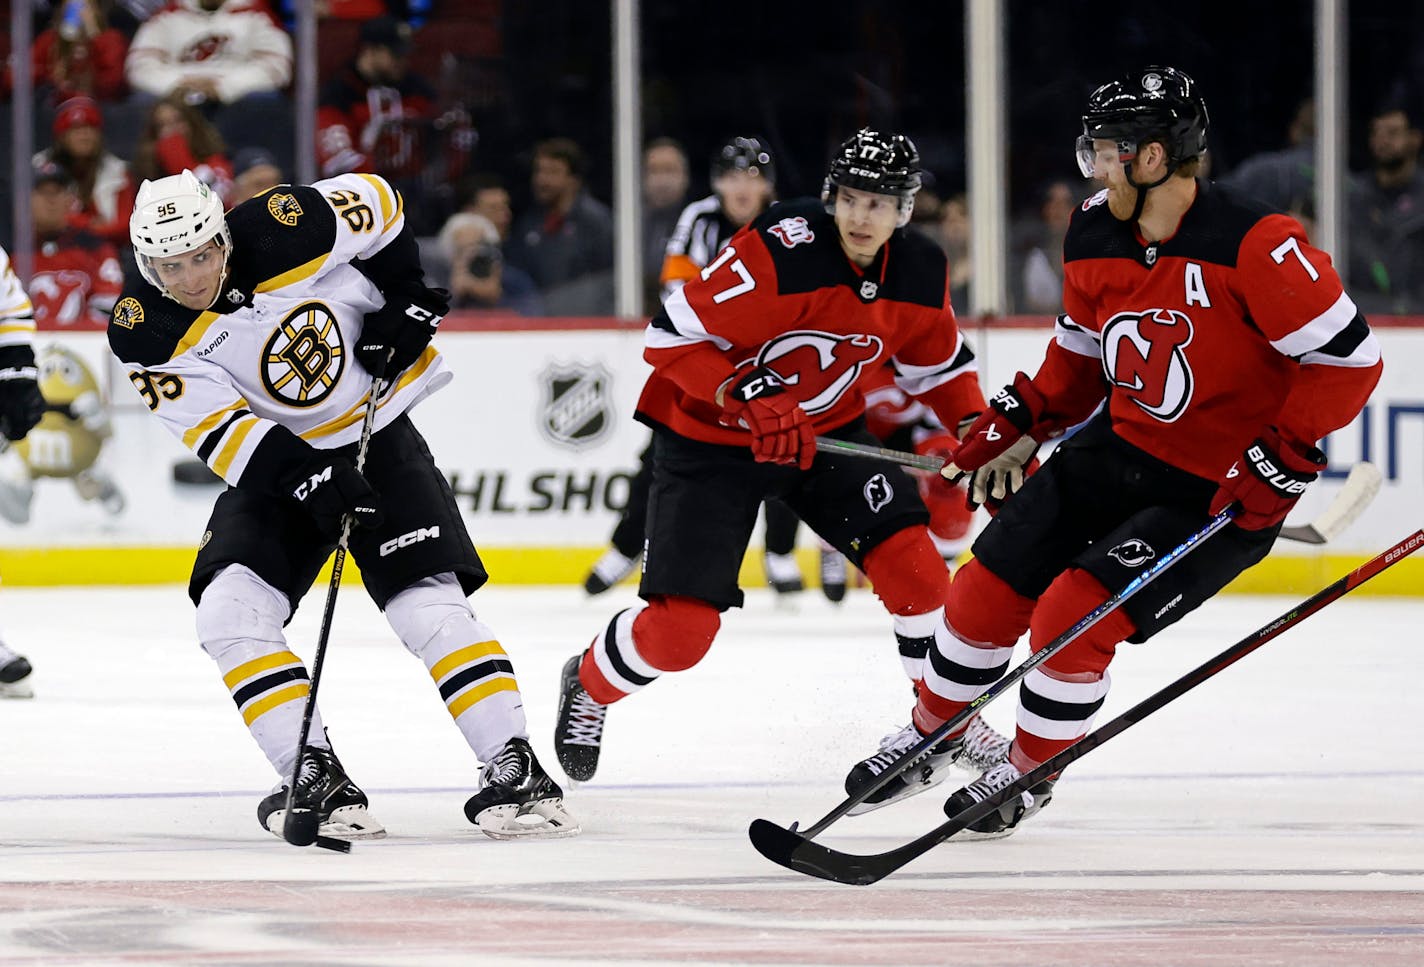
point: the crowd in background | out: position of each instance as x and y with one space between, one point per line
129 89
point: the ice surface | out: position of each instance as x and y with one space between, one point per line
1273 816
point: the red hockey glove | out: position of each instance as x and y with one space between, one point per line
1266 481
994 451
781 432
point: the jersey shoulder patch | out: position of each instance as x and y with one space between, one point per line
278 231
145 328
1093 233
800 236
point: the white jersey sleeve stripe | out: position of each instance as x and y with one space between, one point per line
687 328
1320 330
918 380
1077 340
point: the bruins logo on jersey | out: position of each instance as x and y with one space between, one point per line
303 359
128 313
285 208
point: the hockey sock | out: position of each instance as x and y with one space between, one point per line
911 581
668 634
984 618
239 624
1059 699
469 665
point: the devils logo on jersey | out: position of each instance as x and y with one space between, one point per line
304 357
1144 360
818 366
878 492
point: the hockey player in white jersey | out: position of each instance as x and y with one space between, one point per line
253 339
21 407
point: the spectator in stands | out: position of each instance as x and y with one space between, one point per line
565 243
254 170
376 117
1038 272
954 238
177 136
101 179
214 52
1385 218
665 185
485 194
479 279
1284 179
76 277
79 53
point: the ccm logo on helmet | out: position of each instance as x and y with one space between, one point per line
172 238
405 540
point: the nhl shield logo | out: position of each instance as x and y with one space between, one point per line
577 410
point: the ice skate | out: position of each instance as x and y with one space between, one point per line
833 574
14 675
1004 820
518 799
608 570
979 740
578 735
323 786
783 574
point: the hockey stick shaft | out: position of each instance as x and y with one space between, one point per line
790 850
290 831
1354 496
1019 673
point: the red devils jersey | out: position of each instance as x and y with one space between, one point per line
76 281
783 294
1202 340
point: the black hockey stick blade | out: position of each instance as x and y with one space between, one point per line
795 852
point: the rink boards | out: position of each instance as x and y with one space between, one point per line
536 436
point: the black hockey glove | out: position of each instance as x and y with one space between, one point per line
329 487
405 325
21 404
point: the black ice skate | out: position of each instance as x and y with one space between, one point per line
14 675
609 569
324 787
979 744
517 798
578 736
1005 819
833 574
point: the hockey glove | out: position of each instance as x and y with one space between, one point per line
404 324
21 404
329 487
1266 481
781 431
994 451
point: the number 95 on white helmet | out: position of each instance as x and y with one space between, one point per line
173 219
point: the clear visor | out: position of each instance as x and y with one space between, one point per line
1098 156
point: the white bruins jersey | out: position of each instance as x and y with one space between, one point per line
275 350
17 315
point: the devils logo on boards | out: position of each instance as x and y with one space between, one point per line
1143 358
817 367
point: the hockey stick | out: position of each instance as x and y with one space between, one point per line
793 851
1353 497
299 827
998 688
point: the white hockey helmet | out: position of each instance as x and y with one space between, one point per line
174 215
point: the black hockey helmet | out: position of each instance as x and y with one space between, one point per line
744 154
1153 104
886 164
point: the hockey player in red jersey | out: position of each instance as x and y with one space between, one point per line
1221 347
772 343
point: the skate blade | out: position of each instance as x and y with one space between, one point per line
860 809
541 819
20 689
349 823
